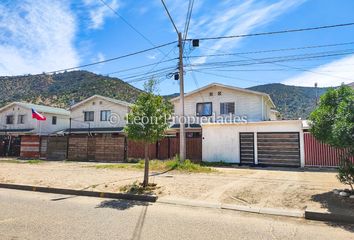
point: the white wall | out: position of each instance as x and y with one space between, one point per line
221 142
97 105
40 127
246 104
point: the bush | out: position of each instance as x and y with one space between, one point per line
346 172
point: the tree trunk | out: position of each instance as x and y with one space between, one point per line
146 168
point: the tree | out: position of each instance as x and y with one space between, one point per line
148 120
332 122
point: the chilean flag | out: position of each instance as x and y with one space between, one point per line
38 116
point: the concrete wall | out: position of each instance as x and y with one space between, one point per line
254 106
40 127
97 105
221 142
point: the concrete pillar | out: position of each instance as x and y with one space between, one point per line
255 148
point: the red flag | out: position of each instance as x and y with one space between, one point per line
38 116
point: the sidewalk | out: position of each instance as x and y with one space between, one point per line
246 188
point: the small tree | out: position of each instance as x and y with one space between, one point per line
332 122
147 121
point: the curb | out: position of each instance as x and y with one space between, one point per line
328 217
268 211
125 196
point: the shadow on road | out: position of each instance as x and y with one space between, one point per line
337 205
121 204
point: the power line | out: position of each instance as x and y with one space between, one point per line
129 24
279 32
188 19
274 50
169 16
112 59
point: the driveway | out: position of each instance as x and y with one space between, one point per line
285 189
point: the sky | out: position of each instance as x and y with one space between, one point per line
50 35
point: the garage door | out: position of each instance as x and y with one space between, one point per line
278 149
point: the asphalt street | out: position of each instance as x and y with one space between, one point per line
32 215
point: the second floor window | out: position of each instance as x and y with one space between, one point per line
89 116
21 119
10 119
54 120
105 115
227 108
204 109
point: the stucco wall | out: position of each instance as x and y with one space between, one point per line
97 105
40 127
246 104
221 141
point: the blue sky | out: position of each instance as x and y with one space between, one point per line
47 35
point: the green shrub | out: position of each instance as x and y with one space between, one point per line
346 172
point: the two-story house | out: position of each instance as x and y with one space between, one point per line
98 114
16 119
96 130
216 102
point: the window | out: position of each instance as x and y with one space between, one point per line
89 116
21 119
219 93
54 120
204 109
10 119
227 108
211 94
105 115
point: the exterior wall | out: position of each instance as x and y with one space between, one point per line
40 127
221 142
97 105
254 106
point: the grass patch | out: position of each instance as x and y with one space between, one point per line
160 165
34 161
137 188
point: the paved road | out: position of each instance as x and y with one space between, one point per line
30 215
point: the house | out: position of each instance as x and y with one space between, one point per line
99 114
216 101
96 129
16 119
17 125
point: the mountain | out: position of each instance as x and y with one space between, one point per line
60 89
292 102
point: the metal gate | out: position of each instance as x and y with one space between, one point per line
247 148
10 146
278 149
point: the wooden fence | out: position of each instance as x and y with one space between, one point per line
167 148
319 154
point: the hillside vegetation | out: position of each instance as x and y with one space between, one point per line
60 89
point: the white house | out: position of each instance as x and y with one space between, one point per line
217 100
98 114
16 119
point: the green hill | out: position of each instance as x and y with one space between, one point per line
292 102
59 89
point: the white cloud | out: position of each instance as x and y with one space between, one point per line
328 75
100 57
99 12
36 36
229 18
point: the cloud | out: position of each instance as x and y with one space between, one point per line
98 11
230 18
328 75
36 36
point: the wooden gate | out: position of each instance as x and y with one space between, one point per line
101 147
57 147
278 149
247 148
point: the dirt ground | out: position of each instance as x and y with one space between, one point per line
271 188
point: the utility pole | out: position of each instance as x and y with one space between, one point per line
182 135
